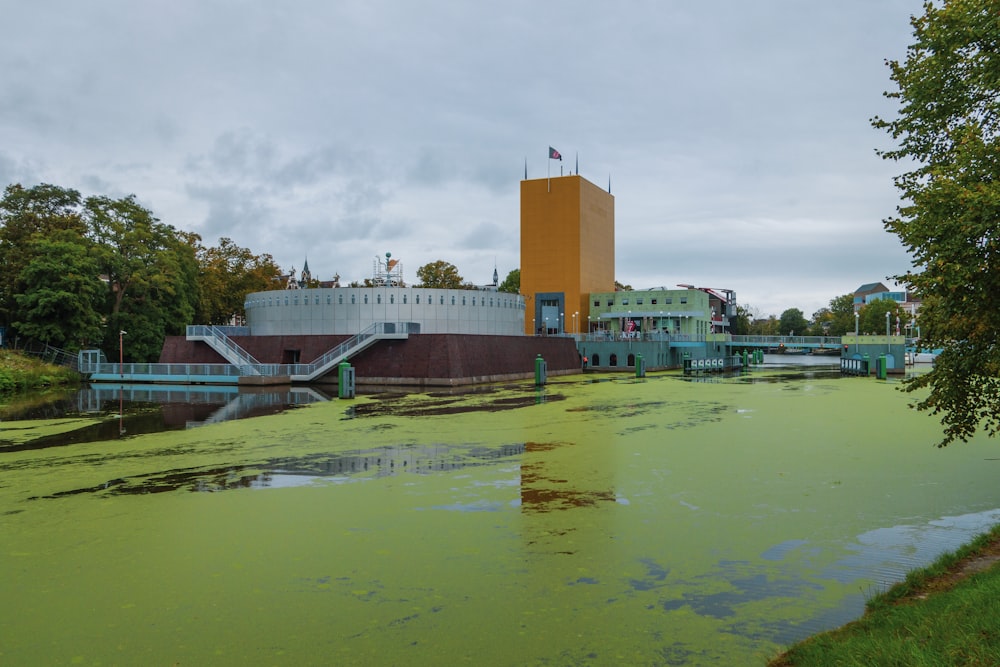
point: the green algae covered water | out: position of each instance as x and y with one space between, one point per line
597 521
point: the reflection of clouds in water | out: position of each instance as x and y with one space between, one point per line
888 554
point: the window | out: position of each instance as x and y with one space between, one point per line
340 299
441 299
404 299
453 299
286 300
625 301
416 299
491 302
392 298
463 299
329 299
353 298
597 303
638 301
316 300
366 299
684 299
473 301
295 300
669 300
611 302
653 301
378 299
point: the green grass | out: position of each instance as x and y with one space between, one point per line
937 616
19 372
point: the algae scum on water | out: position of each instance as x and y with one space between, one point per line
659 522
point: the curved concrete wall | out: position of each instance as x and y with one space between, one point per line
348 310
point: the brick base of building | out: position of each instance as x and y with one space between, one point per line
420 360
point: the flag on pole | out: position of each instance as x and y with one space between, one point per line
554 154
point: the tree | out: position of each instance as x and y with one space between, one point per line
842 315
26 214
441 275
742 323
872 316
512 283
226 274
792 320
619 287
947 133
152 273
63 295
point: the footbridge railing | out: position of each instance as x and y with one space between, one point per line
219 340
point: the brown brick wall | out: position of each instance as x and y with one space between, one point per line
420 359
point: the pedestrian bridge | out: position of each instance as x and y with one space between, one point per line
787 342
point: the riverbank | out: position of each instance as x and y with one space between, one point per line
23 373
903 625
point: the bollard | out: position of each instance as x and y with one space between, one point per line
539 371
345 380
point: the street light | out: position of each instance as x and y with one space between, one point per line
562 323
121 354
887 347
856 316
576 322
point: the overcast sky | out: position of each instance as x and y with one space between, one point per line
735 135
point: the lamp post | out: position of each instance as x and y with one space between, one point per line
887 347
856 317
121 354
562 323
576 322
588 325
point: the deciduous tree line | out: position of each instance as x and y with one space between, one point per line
75 271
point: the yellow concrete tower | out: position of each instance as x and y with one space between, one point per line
567 251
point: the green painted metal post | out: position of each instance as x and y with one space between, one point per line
640 366
539 371
345 380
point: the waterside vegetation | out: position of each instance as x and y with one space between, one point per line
945 614
23 373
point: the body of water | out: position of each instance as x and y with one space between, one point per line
600 520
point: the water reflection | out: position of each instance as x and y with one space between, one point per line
115 410
305 470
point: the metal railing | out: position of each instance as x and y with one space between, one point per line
218 338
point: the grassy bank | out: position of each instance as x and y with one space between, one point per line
945 614
19 372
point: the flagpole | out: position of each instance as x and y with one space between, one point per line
548 172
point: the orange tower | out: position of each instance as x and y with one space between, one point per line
567 251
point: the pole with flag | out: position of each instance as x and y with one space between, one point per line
553 155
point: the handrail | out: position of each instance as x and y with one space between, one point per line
248 365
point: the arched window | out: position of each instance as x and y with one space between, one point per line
416 300
392 298
441 299
614 360
473 301
630 360
404 299
340 299
352 299
366 299
453 299
595 360
378 298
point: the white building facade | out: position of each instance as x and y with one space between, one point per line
350 310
